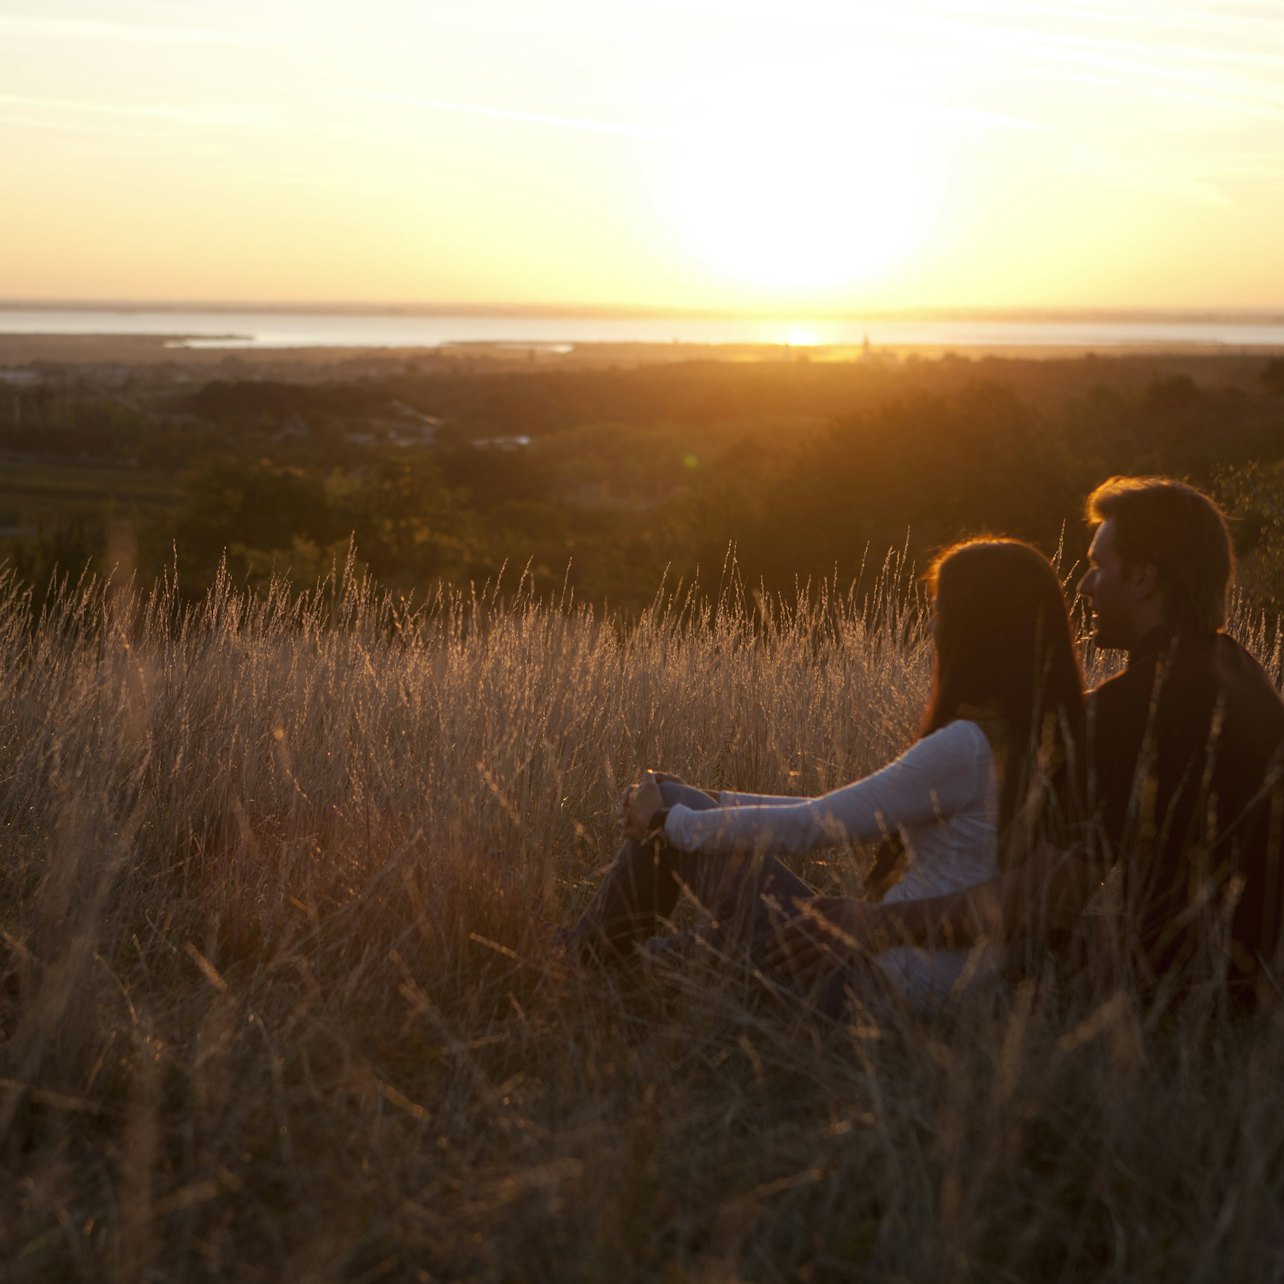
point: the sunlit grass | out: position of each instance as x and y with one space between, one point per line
279 877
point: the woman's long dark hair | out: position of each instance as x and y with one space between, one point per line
1006 656
1004 642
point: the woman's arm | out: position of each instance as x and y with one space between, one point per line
733 798
935 778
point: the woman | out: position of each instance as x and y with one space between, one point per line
986 781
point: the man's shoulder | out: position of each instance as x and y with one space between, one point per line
1253 700
1246 692
1238 663
1217 659
1190 683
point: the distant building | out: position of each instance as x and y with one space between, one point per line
502 443
407 426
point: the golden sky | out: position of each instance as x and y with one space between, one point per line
799 154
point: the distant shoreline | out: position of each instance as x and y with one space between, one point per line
159 350
529 311
583 337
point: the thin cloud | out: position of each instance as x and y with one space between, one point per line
46 28
1241 28
1190 79
521 117
1168 177
1154 42
78 127
1233 21
1247 163
944 116
237 115
1208 73
685 105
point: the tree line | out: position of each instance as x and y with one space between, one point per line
608 480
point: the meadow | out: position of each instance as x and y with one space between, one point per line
279 879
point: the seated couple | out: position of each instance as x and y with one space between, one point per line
1020 795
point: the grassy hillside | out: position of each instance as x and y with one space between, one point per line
278 881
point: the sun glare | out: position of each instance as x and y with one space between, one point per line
798 338
800 193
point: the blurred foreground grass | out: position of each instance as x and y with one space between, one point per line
278 881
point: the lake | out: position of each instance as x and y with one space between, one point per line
368 329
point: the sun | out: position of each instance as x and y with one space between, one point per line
802 192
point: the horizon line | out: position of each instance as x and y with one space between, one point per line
960 312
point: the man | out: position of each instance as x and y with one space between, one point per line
1184 778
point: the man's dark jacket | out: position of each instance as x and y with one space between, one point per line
1186 764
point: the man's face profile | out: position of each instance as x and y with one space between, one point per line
1109 586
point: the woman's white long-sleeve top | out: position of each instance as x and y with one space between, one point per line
941 794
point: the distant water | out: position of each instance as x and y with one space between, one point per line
250 329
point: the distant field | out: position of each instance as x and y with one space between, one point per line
454 465
33 489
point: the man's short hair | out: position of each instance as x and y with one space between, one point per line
1178 530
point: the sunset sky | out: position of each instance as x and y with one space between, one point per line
820 154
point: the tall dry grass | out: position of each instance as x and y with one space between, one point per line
278 881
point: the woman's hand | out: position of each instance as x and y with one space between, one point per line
640 804
824 937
